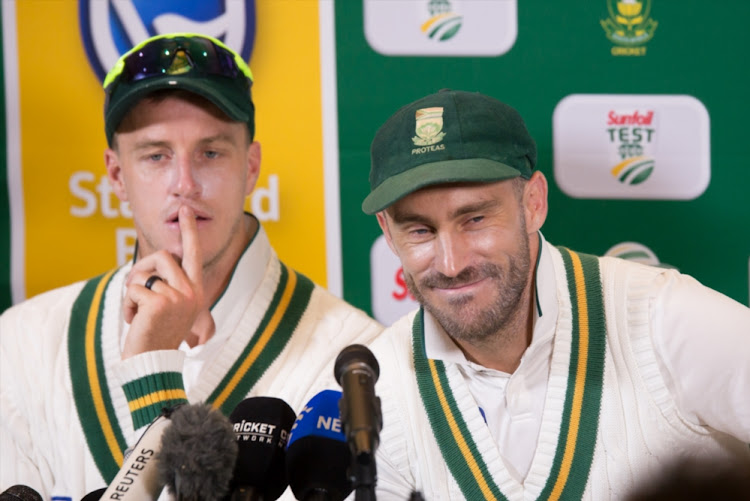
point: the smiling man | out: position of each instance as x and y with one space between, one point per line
206 312
532 371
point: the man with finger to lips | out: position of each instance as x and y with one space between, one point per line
206 312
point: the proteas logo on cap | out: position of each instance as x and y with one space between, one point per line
429 127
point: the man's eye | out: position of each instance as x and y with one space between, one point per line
212 154
419 232
156 157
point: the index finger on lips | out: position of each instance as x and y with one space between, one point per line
191 252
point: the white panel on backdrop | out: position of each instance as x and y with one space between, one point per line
631 146
390 298
441 27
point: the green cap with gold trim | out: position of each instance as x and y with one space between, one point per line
447 137
192 62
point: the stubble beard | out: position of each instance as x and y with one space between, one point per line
463 320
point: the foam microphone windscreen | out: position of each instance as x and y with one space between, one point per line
318 456
20 493
261 427
197 455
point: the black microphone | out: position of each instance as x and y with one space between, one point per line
94 495
261 428
197 454
357 370
318 457
20 493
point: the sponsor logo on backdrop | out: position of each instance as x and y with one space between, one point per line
631 132
631 146
390 298
629 26
110 28
443 23
634 251
441 27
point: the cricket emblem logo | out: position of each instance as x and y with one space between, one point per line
429 126
629 26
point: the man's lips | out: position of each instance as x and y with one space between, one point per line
199 216
460 288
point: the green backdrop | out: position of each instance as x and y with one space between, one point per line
697 49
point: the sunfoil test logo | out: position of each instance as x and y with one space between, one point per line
629 26
443 23
635 146
110 28
631 133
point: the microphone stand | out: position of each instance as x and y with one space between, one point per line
364 477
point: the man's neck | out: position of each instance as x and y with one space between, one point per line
503 351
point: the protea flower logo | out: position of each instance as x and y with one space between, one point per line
443 23
632 132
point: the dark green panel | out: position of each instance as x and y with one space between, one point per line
562 49
5 285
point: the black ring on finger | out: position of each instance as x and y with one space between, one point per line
151 281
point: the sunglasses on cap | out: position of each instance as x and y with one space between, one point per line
175 54
196 63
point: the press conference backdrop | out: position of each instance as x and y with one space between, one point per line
639 110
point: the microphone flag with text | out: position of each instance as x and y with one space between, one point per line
261 429
357 370
189 449
318 458
138 478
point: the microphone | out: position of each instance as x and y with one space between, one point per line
197 454
138 478
357 370
261 430
20 493
318 457
94 495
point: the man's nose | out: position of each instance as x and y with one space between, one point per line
452 255
186 184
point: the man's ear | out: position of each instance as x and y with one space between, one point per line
535 202
383 222
253 167
114 174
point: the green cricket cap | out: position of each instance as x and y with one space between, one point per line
447 137
192 62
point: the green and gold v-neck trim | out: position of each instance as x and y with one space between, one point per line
99 421
580 415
